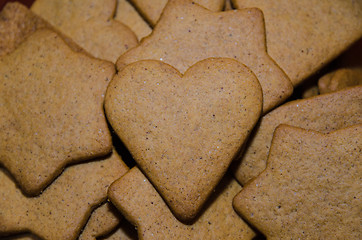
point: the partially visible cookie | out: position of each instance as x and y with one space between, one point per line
51 109
305 35
310 90
127 232
340 79
188 33
103 220
90 24
107 223
311 188
184 130
63 208
152 9
347 73
25 236
126 14
228 5
140 203
17 22
323 113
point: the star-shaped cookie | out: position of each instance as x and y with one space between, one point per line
62 210
311 188
187 33
324 113
90 24
51 109
142 205
152 9
184 130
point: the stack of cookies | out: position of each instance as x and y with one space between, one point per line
181 119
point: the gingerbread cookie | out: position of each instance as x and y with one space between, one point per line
90 24
184 130
304 35
152 9
103 220
347 73
322 113
126 14
228 5
51 109
141 204
340 79
127 232
17 22
108 224
311 188
25 236
63 208
188 33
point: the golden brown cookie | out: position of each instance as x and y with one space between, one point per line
90 24
323 113
348 71
63 208
17 22
140 203
126 14
152 9
311 188
103 220
107 223
228 5
127 233
25 236
188 33
51 109
310 91
184 130
304 35
340 79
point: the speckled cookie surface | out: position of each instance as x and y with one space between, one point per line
51 109
17 22
90 24
126 14
152 9
322 113
188 33
63 208
305 35
184 130
140 203
311 188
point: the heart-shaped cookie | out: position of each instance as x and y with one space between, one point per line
184 130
